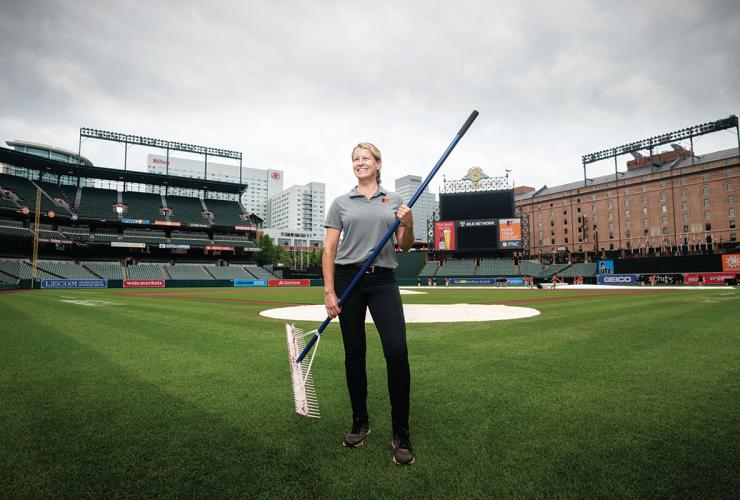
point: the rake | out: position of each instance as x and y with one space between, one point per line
304 393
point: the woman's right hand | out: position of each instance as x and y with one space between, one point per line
331 301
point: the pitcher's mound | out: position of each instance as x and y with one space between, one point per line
417 313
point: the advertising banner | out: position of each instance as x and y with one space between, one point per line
245 228
444 235
211 247
127 244
662 279
55 240
74 283
174 245
510 233
515 281
617 279
606 266
731 263
707 278
472 281
143 283
250 282
166 223
135 221
289 283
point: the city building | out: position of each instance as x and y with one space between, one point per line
671 203
423 209
299 209
262 184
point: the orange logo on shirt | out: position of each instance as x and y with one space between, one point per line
386 201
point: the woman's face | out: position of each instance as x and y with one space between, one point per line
364 164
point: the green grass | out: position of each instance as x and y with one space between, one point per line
610 395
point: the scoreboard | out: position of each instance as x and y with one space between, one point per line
477 221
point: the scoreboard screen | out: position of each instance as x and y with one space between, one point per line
478 235
477 205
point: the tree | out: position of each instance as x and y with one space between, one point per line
266 255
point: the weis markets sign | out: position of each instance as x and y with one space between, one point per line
143 283
74 283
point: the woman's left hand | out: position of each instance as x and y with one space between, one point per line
405 216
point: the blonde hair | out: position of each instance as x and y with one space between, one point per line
373 151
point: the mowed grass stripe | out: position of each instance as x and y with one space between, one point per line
622 396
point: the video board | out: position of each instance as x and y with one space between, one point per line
477 205
477 221
478 235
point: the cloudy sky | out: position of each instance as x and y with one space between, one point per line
294 85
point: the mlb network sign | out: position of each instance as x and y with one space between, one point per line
617 279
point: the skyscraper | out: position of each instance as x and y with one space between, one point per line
406 186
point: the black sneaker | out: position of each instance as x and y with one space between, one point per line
402 451
356 436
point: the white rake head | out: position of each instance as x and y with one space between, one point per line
304 393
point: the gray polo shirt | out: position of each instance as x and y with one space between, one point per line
364 222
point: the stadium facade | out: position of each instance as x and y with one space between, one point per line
674 203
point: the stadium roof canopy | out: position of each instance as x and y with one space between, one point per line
34 162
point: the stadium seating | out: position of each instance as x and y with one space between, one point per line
7 280
225 213
144 236
66 270
76 233
106 270
497 267
6 202
21 187
585 269
529 268
105 235
22 269
187 272
98 203
146 272
142 206
192 239
228 273
429 269
11 223
457 267
185 209
15 232
260 273
548 271
54 192
233 241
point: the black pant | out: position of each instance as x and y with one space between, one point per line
379 292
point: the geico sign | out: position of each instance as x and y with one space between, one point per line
618 279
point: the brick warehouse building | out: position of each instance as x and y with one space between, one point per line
671 203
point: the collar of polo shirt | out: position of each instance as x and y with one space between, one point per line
355 193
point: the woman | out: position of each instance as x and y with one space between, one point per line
365 215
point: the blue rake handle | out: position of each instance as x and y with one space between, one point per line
390 232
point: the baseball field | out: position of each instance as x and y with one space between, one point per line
186 393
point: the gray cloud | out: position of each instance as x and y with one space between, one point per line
294 85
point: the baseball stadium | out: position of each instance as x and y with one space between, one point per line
578 340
